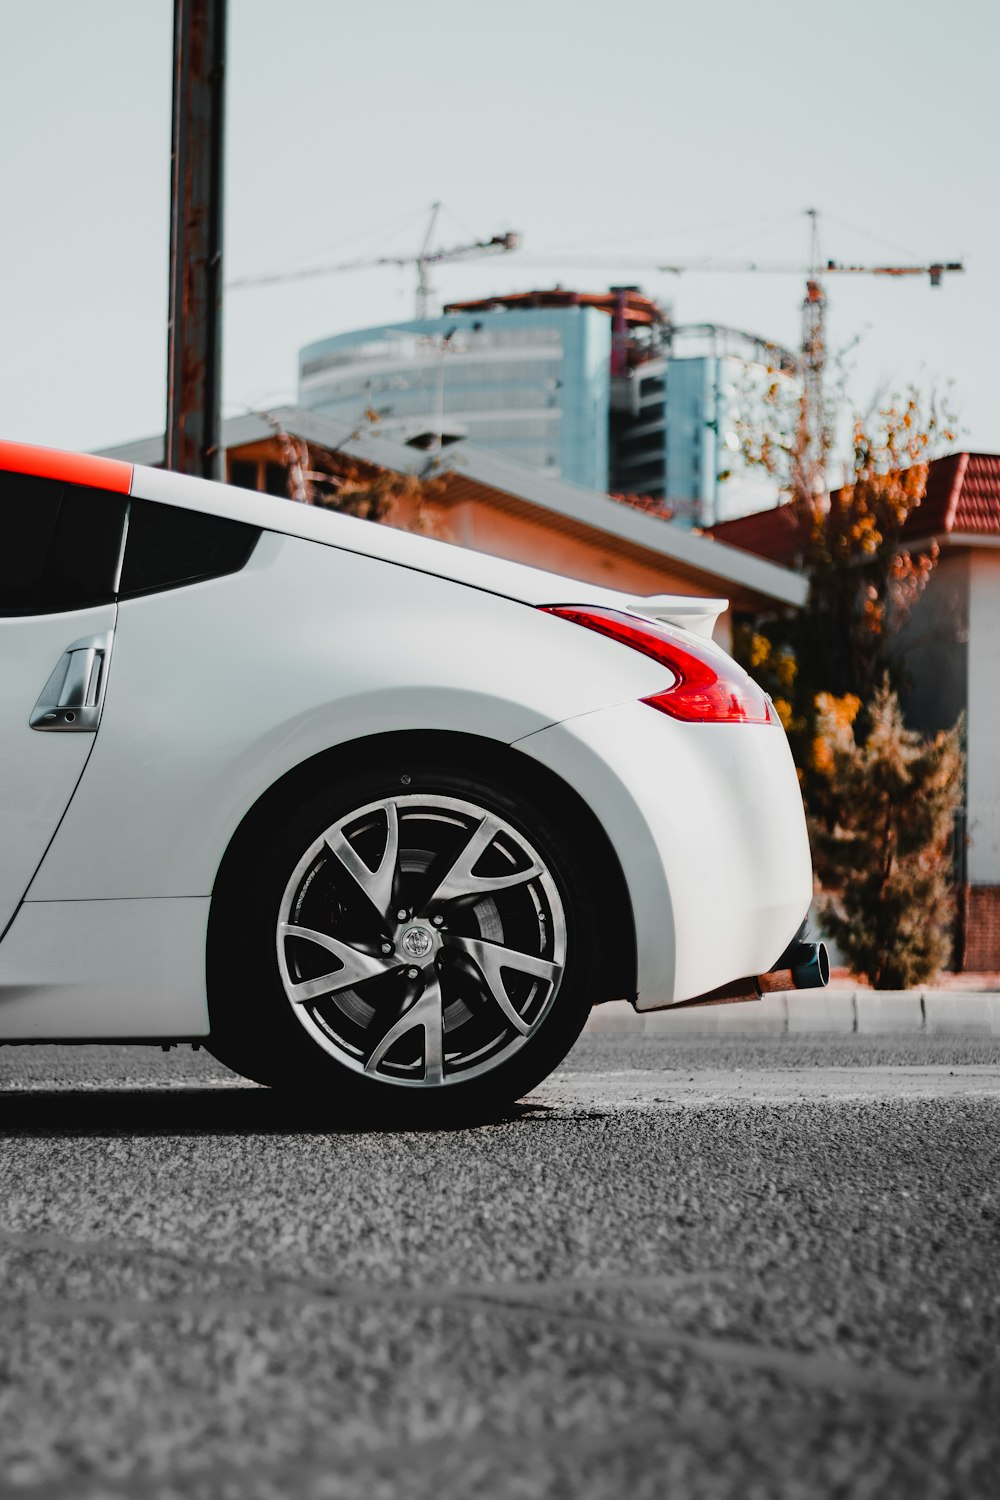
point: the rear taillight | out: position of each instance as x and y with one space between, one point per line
709 688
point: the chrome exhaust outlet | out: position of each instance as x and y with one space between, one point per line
802 966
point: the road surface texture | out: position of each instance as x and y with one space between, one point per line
720 1268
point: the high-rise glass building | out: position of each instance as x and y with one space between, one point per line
601 389
715 382
529 382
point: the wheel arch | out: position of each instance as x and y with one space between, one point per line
618 962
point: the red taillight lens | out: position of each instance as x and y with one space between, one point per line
710 689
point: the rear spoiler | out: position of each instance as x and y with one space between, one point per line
697 615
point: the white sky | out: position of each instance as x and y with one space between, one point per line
653 129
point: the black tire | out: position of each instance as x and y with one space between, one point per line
319 1047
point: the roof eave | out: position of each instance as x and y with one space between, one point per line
950 539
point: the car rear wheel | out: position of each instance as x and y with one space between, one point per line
420 940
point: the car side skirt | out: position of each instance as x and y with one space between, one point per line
93 970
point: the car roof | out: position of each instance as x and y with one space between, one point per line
72 468
313 523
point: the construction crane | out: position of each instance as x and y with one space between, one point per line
424 259
813 437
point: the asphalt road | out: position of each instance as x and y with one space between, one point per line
707 1269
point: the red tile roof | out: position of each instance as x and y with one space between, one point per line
776 534
962 498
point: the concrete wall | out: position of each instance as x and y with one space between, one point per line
984 718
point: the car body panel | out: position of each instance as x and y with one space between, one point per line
40 772
98 970
220 688
707 824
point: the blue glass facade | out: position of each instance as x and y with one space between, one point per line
532 383
708 399
691 438
533 379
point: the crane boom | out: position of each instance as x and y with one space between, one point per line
497 244
934 269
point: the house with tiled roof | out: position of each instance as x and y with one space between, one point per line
962 501
952 651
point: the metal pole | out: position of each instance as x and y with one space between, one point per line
194 325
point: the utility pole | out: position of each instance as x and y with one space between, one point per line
194 322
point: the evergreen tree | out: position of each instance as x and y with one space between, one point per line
884 842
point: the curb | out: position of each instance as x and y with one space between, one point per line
811 1012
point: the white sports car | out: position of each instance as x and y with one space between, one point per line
365 812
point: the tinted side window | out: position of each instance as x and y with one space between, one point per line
59 545
167 546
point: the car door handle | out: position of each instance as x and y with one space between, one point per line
72 699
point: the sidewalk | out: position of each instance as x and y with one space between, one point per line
833 1011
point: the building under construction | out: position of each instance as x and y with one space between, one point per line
601 389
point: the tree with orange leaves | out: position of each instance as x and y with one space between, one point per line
835 674
864 580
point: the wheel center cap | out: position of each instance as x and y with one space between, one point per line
417 942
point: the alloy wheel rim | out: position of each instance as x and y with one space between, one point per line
421 940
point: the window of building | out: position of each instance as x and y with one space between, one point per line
248 474
61 545
276 480
243 473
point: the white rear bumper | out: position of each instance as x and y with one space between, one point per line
707 822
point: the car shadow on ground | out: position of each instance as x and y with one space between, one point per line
233 1110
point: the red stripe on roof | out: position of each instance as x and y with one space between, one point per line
72 468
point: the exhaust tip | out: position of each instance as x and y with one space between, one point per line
810 966
802 966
